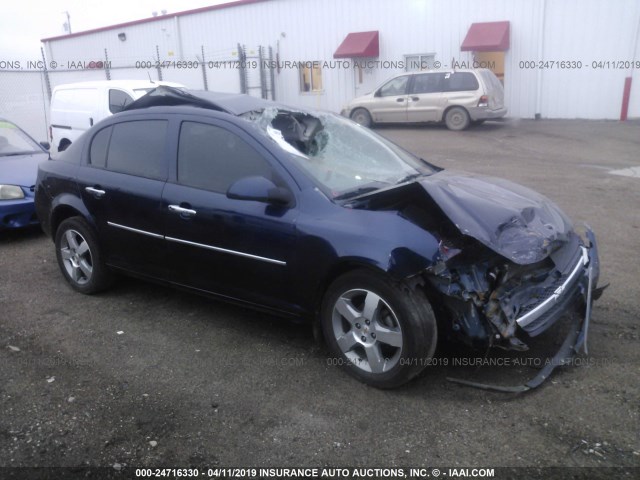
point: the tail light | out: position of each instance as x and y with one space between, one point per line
484 101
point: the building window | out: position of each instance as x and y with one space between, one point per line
311 77
419 61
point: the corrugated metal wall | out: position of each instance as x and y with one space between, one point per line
311 30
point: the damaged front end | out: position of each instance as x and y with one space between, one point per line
493 302
509 263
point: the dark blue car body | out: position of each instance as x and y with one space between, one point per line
456 236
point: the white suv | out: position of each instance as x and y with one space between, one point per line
457 98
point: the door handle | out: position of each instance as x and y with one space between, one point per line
95 192
184 212
415 99
400 99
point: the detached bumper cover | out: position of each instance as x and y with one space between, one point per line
581 283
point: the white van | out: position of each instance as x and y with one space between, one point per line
75 107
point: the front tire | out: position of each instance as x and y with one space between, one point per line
382 332
457 119
79 257
362 117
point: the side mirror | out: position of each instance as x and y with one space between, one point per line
377 94
259 189
45 145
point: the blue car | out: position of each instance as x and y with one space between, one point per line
19 158
311 216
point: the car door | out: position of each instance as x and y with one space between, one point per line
389 103
424 102
235 248
121 185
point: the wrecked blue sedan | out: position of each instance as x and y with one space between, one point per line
309 215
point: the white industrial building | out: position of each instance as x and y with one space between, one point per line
557 58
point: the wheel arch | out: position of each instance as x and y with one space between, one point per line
68 206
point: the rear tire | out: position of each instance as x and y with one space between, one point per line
457 119
362 117
381 332
79 257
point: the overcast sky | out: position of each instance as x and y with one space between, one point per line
24 22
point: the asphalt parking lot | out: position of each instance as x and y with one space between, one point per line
143 375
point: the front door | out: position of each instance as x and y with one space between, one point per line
390 101
235 248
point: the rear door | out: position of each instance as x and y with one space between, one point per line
121 184
494 89
234 248
425 97
390 101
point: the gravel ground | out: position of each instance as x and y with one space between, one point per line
143 375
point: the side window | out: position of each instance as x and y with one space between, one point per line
212 158
99 147
396 86
460 82
138 148
427 83
118 100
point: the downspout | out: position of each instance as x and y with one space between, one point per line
176 27
626 92
543 11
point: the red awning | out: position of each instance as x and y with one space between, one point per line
487 37
359 44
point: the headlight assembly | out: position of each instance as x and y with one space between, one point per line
10 192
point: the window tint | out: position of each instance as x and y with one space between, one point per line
118 100
397 86
427 83
213 158
138 148
460 82
99 147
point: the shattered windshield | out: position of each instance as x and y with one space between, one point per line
344 157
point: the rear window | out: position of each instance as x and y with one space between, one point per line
460 82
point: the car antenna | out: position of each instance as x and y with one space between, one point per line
151 81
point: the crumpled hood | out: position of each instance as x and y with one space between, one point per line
514 221
20 170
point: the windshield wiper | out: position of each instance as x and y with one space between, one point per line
408 178
356 192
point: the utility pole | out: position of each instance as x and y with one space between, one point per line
67 26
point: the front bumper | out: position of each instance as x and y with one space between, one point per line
581 286
17 213
578 283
